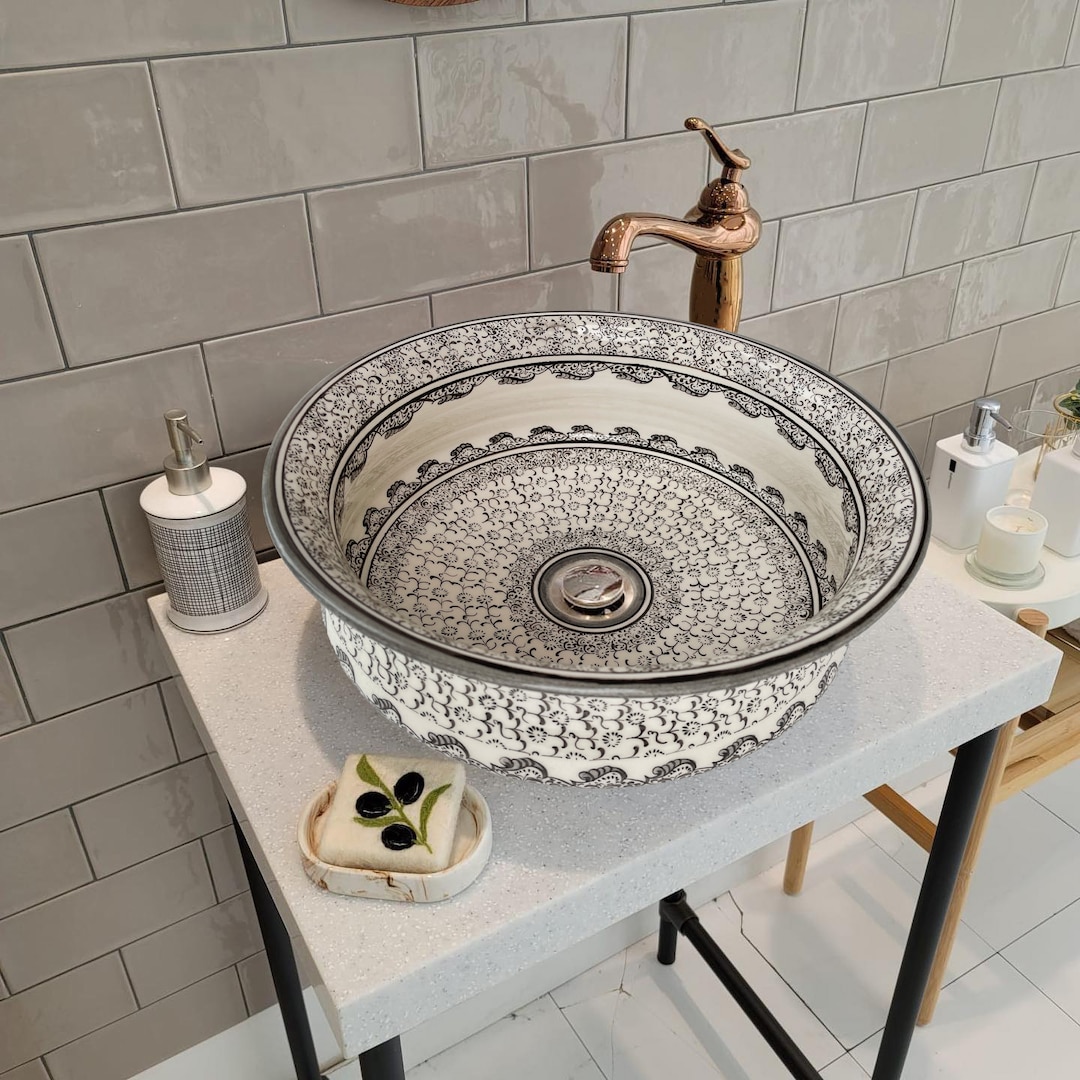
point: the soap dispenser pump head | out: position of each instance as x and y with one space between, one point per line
186 469
980 436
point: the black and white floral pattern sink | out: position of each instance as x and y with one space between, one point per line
589 549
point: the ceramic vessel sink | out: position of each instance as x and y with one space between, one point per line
593 549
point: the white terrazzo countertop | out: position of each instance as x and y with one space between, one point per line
280 718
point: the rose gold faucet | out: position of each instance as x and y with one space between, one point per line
719 230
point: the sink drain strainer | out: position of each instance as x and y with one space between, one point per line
592 589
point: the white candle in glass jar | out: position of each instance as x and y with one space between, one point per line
1011 541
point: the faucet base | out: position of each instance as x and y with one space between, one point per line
716 291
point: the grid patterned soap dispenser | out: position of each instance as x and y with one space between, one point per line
199 524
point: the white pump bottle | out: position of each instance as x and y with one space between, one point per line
970 475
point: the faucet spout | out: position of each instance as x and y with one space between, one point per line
710 235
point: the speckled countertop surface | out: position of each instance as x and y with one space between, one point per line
280 717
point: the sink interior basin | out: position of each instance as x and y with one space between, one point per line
593 505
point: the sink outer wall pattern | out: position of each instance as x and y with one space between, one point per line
830 473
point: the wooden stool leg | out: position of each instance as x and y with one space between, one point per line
1037 623
797 854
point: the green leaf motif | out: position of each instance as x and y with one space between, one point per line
376 823
368 774
426 809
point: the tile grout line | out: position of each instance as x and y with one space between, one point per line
94 876
945 50
5 649
170 169
115 545
285 24
30 237
314 270
990 133
168 720
626 78
421 135
779 974
127 975
1041 991
799 58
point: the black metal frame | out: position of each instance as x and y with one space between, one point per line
384 1062
950 839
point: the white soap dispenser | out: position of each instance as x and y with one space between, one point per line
199 525
970 474
1057 498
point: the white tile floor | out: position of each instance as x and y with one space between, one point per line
825 961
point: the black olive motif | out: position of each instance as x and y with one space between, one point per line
409 788
373 804
398 837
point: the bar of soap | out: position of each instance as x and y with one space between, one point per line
391 813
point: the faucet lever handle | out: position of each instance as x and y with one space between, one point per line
734 161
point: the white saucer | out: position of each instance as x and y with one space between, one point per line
1003 581
472 848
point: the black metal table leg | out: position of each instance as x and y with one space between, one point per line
678 917
942 869
279 953
383 1062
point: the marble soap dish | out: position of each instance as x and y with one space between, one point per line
471 850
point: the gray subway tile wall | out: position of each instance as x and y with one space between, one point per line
920 139
490 95
62 1009
80 144
43 571
145 818
84 753
325 176
50 861
966 218
261 123
134 1043
200 945
98 918
754 46
47 32
1055 199
871 48
890 320
999 37
395 238
134 286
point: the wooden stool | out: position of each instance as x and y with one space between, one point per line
1028 748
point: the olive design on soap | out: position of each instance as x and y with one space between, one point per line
373 804
409 788
373 808
398 837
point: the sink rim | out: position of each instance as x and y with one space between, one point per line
648 684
